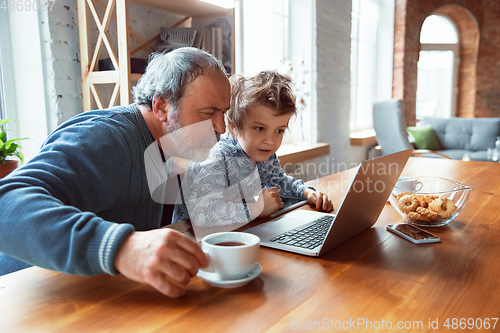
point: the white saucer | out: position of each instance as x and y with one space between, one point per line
216 281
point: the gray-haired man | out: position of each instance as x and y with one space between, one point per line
83 204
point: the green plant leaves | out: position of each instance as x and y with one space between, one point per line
9 147
19 155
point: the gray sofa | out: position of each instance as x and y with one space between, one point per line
460 136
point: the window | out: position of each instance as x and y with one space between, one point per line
437 84
2 104
4 46
277 35
22 71
7 91
365 16
372 35
265 35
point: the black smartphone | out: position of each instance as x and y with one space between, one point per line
412 233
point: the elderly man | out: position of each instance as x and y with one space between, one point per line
83 204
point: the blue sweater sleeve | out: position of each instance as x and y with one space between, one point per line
59 210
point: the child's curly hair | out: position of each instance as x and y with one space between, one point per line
268 88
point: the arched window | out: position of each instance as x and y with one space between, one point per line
437 84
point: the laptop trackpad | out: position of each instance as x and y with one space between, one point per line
270 229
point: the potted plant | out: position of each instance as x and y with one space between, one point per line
8 148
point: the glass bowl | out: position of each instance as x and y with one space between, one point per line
429 201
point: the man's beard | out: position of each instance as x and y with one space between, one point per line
188 143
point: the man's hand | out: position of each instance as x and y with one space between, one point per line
163 258
319 200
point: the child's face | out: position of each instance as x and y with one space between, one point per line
262 132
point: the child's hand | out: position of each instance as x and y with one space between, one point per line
319 199
272 201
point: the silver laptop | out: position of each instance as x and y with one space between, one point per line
313 233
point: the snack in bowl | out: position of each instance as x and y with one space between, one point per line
429 201
416 206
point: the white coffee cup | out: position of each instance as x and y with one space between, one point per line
409 184
232 255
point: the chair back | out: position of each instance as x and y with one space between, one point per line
389 125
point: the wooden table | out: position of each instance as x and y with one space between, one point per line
375 279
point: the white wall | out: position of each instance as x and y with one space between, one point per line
60 45
333 49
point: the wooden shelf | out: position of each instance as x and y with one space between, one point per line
363 138
121 77
296 153
192 8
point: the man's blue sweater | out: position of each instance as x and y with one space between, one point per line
70 208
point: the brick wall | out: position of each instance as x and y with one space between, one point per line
479 31
59 32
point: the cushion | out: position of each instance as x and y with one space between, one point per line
424 137
484 133
452 133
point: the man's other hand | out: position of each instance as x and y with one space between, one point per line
163 258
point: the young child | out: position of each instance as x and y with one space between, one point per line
245 158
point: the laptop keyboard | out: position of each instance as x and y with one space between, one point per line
306 237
